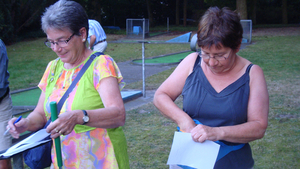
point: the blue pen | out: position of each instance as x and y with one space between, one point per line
14 123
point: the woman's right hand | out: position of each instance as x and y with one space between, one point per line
18 128
187 126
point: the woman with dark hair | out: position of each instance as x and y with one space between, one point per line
90 120
225 97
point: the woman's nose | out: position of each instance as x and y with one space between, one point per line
212 61
55 47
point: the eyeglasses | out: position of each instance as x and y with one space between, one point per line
217 57
60 43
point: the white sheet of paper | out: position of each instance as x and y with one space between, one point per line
29 142
185 151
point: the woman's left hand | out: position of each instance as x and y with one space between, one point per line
64 124
200 133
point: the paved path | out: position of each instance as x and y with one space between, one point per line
133 73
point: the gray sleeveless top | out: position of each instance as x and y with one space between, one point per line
227 108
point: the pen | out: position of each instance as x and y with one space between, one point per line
14 123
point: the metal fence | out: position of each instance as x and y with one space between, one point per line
137 28
247 30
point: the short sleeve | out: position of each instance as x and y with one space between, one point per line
43 83
104 67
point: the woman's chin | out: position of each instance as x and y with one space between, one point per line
63 59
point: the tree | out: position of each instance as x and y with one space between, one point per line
150 13
284 12
19 17
253 11
241 7
177 12
184 12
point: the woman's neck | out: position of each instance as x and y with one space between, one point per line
84 55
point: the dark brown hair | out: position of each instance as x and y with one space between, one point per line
220 27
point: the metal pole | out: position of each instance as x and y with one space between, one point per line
167 24
143 59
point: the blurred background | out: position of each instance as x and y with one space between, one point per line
20 19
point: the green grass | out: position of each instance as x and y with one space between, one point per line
27 62
174 58
28 59
275 25
280 147
149 138
129 51
278 56
26 98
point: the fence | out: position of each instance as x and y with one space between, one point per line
247 30
137 28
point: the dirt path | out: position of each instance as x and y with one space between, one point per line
288 31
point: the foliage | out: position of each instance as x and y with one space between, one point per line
270 12
20 19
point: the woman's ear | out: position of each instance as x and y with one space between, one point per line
83 33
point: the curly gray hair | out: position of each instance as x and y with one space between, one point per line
65 14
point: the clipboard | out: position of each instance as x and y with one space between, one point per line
36 139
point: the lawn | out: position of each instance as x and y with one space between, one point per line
149 134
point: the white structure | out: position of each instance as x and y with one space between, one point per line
247 30
137 28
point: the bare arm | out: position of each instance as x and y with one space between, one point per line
255 127
170 89
111 116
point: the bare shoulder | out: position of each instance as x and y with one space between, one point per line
257 78
256 70
174 84
188 62
191 57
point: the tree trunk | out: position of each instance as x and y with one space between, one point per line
96 11
253 11
150 15
284 12
177 12
184 12
241 7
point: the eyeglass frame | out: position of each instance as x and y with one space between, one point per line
214 57
57 43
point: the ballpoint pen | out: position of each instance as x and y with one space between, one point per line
14 123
